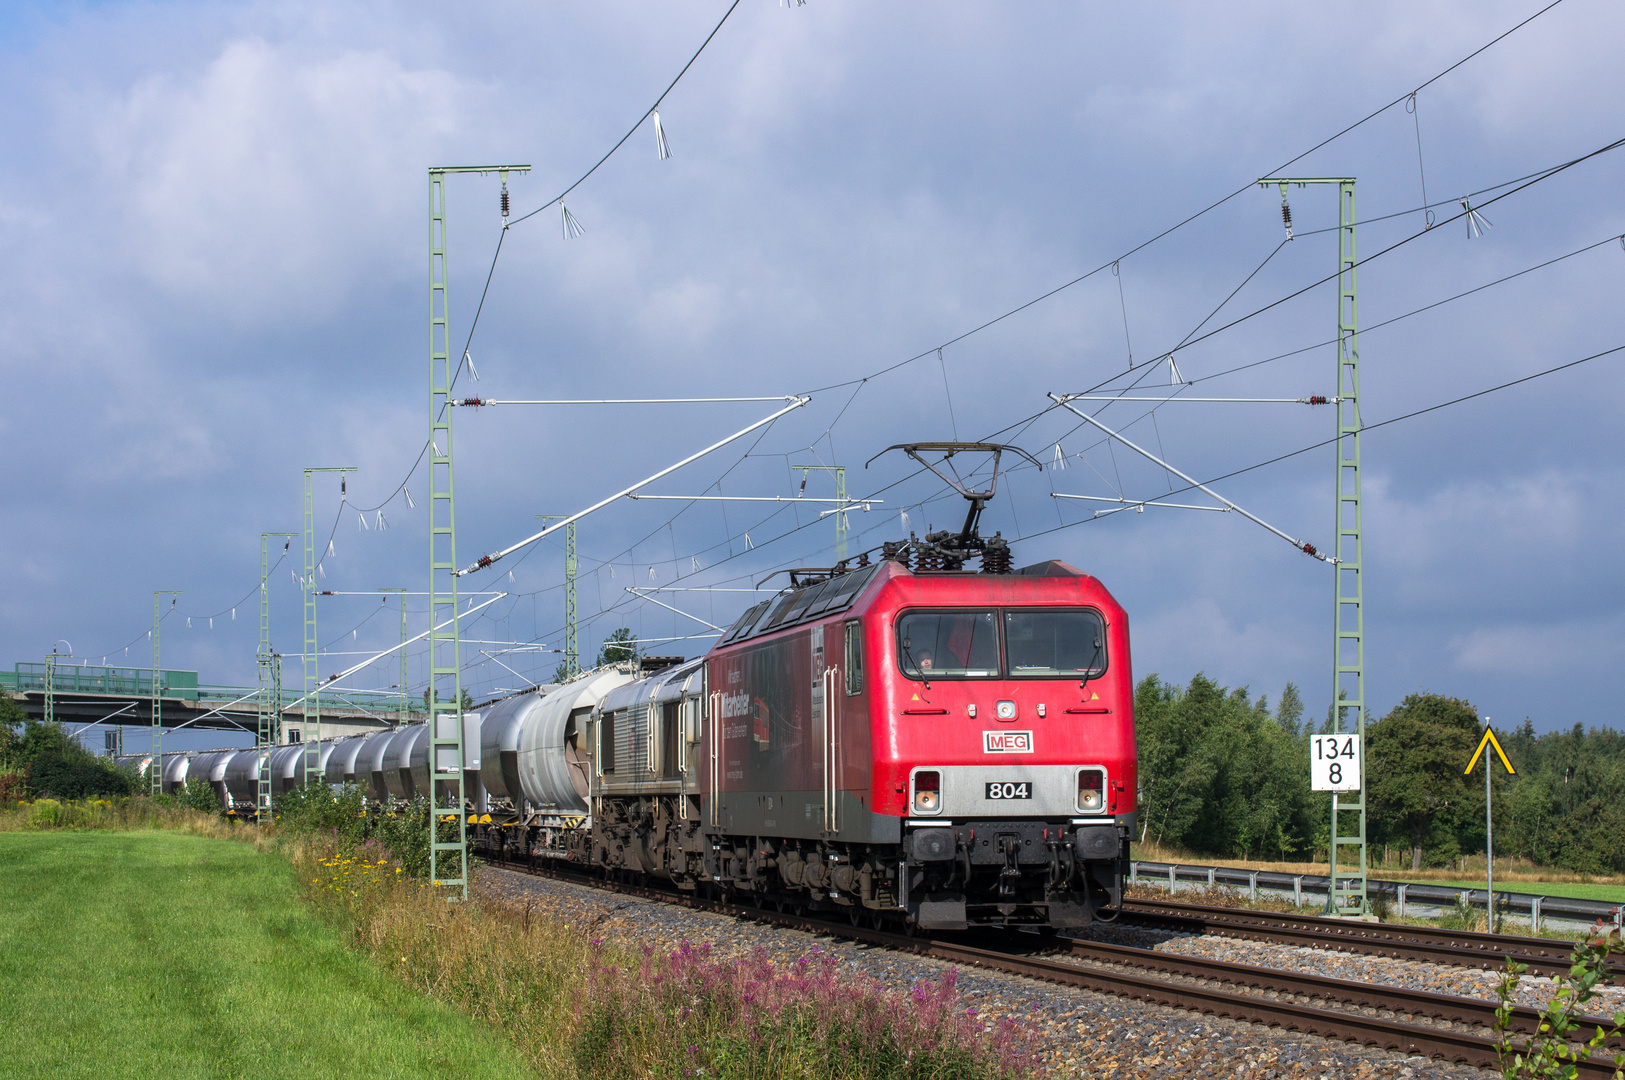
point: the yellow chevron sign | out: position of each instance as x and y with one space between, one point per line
1489 739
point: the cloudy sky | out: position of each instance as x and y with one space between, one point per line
215 227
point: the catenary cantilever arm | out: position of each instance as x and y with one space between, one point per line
487 560
1065 402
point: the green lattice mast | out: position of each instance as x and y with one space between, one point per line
406 695
840 502
311 732
572 644
270 711
155 771
448 859
1348 825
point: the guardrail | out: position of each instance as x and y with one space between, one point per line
1407 896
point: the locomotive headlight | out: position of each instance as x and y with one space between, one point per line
1005 710
927 792
1091 790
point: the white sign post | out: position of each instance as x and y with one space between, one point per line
1334 763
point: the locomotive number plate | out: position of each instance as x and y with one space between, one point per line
1008 790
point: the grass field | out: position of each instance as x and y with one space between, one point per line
1613 894
159 954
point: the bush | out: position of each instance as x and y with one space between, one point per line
200 795
321 808
405 832
1559 1046
53 763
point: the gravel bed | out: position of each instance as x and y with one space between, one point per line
1533 990
1083 1035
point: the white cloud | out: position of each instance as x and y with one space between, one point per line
1579 648
249 189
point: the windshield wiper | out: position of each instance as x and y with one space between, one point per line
913 663
1090 672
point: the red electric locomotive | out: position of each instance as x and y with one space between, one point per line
912 741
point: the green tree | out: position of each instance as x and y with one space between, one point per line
431 695
1414 758
620 646
53 763
1218 773
1289 714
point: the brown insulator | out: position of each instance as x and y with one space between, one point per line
927 559
863 560
996 556
504 200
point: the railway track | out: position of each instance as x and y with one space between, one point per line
1426 1024
1457 948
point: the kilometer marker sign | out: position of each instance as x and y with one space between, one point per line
1334 763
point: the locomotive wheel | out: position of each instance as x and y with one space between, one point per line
854 915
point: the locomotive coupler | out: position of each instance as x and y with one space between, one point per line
1010 846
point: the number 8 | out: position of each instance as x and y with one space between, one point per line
1336 772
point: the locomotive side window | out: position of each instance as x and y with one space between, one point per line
854 657
1051 643
606 744
671 729
948 645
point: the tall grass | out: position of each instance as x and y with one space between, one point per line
580 1006
122 814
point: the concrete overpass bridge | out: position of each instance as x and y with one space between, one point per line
111 697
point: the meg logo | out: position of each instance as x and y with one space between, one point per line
1007 742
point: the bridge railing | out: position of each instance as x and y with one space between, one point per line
179 686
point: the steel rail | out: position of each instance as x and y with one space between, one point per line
1457 948
1428 1003
1383 1032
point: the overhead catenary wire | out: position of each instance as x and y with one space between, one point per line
1373 427
1302 545
487 560
1170 230
1114 262
1373 114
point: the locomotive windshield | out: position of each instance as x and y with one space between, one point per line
948 644
1038 643
1054 644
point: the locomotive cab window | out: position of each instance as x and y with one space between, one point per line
1055 643
948 645
854 657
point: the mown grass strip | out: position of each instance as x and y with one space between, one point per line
167 955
